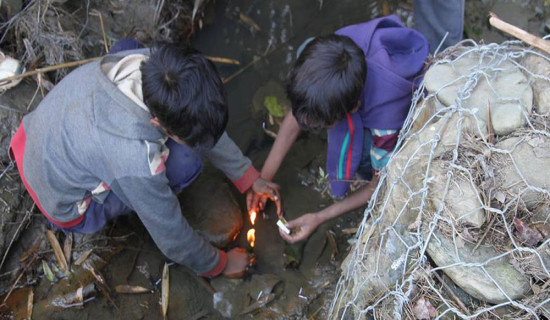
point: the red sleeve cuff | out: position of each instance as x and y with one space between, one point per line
218 268
247 180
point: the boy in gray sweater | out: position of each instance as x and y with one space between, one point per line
125 133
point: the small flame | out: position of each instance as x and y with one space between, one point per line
253 216
251 237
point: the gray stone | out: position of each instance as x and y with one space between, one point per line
462 200
538 65
523 168
476 281
501 85
210 208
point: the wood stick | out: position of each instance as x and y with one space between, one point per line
519 33
27 266
50 68
453 295
223 60
97 13
84 61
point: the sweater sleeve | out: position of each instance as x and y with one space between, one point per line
159 210
226 156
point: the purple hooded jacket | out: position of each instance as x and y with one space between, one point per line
395 57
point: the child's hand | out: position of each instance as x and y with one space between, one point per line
301 228
259 193
237 261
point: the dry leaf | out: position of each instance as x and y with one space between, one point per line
30 304
60 256
165 290
123 288
423 309
83 257
526 234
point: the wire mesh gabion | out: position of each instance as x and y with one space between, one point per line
458 226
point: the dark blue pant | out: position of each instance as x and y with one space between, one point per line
183 166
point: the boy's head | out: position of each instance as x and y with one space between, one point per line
326 81
185 93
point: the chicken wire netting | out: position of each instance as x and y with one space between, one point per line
458 227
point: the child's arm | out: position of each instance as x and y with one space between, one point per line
288 132
306 224
285 138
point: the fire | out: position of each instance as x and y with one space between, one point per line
251 237
253 216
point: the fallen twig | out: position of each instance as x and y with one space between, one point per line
27 217
84 61
27 266
453 295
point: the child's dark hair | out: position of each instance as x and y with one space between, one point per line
326 81
184 91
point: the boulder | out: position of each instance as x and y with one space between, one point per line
523 168
474 82
538 65
210 208
481 283
462 201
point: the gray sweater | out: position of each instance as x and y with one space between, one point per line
86 133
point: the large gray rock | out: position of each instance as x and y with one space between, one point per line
462 201
523 168
537 65
479 283
210 208
501 85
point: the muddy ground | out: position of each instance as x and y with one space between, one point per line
265 49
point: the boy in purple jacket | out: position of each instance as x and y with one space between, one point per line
357 83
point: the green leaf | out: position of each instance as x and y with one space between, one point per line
47 271
274 107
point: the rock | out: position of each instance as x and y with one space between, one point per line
541 86
13 105
473 279
188 297
253 292
210 208
523 168
500 84
462 200
270 105
385 260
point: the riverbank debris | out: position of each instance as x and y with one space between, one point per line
59 255
165 293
